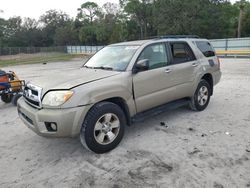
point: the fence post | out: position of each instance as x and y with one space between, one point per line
226 46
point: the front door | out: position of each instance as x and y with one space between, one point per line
153 87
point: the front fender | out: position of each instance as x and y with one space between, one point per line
100 90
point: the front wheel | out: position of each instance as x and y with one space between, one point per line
103 127
201 97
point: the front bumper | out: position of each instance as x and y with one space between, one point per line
68 121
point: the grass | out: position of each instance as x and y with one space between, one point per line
35 58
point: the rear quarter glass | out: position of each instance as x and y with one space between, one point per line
206 48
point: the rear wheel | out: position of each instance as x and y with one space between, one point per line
201 97
103 127
6 97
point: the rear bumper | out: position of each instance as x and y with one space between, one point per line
68 121
216 77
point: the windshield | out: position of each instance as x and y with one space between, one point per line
112 58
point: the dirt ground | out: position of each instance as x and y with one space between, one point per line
194 149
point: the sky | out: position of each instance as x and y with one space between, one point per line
35 8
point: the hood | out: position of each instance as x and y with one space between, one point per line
71 78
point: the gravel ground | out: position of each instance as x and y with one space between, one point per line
194 149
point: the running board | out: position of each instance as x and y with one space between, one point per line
158 110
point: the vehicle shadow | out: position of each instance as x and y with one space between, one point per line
65 147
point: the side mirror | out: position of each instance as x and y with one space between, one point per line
141 65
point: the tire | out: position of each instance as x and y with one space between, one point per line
5 97
103 127
202 95
15 98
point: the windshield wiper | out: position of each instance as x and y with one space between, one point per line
104 68
87 67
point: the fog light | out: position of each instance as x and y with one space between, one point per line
51 126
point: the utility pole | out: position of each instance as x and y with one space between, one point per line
242 7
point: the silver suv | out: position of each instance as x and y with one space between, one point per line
120 84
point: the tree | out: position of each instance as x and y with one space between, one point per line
111 8
30 24
2 23
209 19
131 20
13 35
245 28
241 6
54 18
51 21
89 11
32 34
107 23
87 35
66 35
140 11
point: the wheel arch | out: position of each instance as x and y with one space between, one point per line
209 78
123 105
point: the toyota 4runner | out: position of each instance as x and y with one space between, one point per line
120 83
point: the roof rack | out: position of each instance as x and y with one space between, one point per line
173 37
178 36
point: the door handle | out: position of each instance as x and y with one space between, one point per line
194 64
168 70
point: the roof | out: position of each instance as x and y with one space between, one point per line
161 38
132 43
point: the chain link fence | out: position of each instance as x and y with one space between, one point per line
219 44
83 49
31 50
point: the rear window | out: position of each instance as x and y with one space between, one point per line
205 48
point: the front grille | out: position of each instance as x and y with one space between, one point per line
33 102
34 92
32 95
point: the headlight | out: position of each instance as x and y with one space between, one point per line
56 98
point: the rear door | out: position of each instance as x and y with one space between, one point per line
183 69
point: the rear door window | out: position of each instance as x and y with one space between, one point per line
181 52
206 48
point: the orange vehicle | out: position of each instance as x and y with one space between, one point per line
11 87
